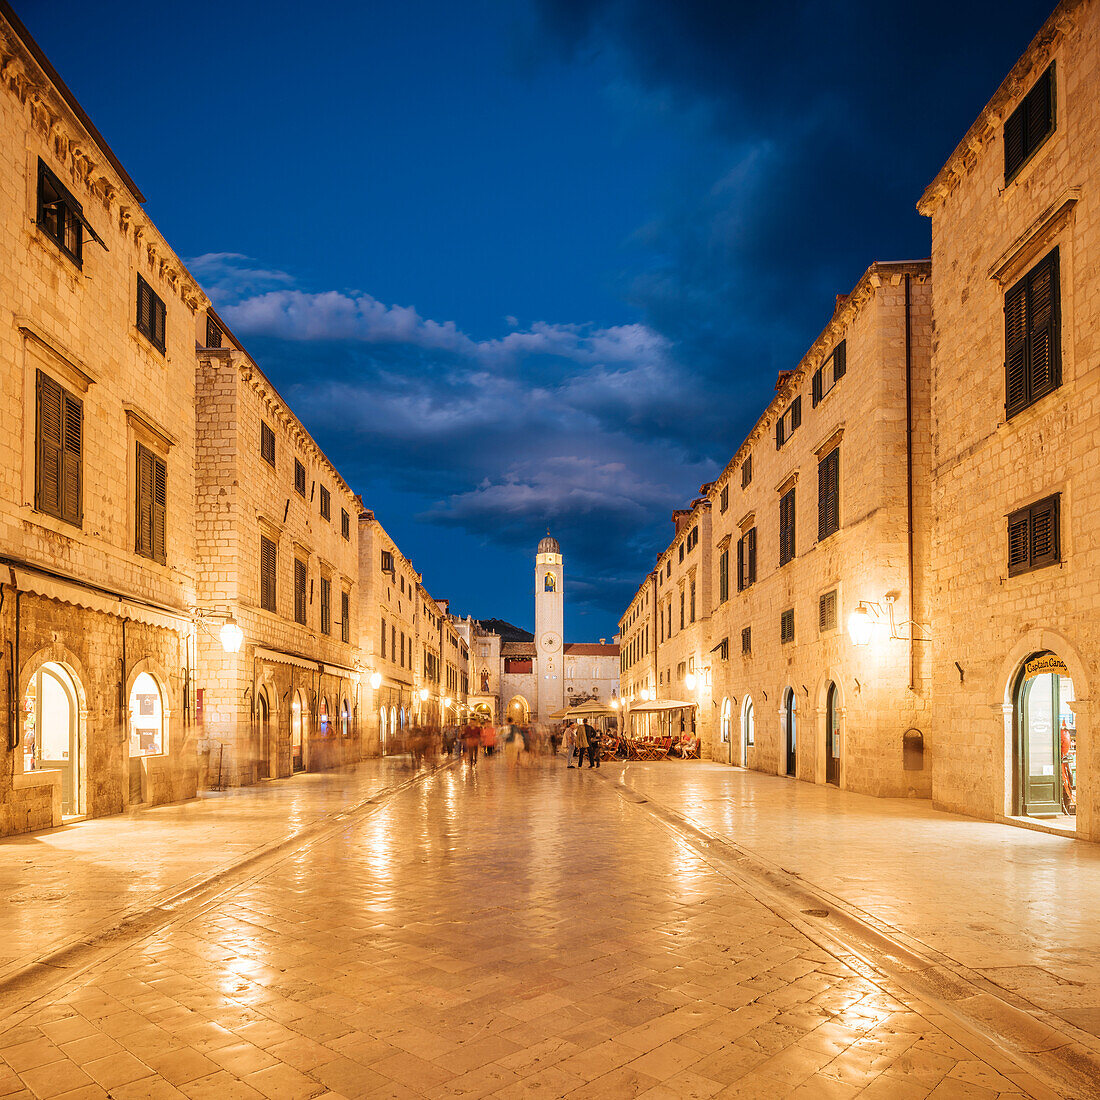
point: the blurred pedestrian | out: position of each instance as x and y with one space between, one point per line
580 739
471 741
569 743
592 735
488 738
514 744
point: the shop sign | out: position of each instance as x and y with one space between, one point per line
1037 666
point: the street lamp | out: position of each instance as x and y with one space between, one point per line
375 680
860 625
231 635
690 680
423 695
447 701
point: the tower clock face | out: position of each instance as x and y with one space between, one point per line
550 642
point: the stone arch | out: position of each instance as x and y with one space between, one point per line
788 695
518 710
820 718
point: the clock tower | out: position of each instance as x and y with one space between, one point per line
549 626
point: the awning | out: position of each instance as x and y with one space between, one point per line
591 709
660 705
563 713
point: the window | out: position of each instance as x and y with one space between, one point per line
326 605
746 559
828 495
345 524
402 660
746 640
725 498
299 478
692 601
393 642
1033 536
387 562
150 314
785 426
267 444
1033 348
693 538
152 501
826 612
146 717
59 450
746 472
786 527
213 333
786 626
383 637
59 215
1028 127
825 377
326 503
681 551
267 573
724 575
300 591
682 596
723 648
668 568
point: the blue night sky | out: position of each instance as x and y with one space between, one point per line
537 263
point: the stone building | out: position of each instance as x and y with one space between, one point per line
97 542
1016 455
278 555
822 512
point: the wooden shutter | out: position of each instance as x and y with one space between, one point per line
750 557
383 637
817 386
267 573
326 605
159 312
840 360
72 459
345 617
160 509
786 625
1044 373
1019 539
144 307
786 527
724 576
1016 348
299 590
779 433
267 443
746 639
826 612
828 495
1014 142
144 541
1044 533
796 413
746 472
741 564
48 467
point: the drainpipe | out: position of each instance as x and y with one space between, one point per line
909 473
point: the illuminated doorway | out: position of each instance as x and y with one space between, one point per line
791 731
297 722
51 740
263 716
1045 756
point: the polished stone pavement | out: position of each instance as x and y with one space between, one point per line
483 934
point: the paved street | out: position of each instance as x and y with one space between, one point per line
478 935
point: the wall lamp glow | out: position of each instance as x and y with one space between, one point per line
861 623
423 695
375 680
690 680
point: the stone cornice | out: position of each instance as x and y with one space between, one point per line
91 166
984 128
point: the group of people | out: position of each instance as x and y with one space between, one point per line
582 740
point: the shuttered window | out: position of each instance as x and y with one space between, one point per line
724 499
692 607
60 216
786 626
345 524
345 616
383 637
746 640
213 333
724 575
830 371
1034 536
828 495
152 504
326 503
150 314
326 606
59 464
267 573
300 572
746 559
746 472
387 562
1028 127
267 444
1033 352
299 478
826 612
786 425
786 527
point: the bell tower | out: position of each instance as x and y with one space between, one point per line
549 627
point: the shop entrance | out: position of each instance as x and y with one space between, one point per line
263 715
1045 780
50 732
791 731
297 753
832 736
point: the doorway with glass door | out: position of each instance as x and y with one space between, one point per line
50 733
791 730
1045 742
832 736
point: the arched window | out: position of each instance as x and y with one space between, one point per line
324 716
549 584
725 728
345 726
146 717
382 723
748 723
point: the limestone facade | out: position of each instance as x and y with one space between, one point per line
809 519
95 588
278 552
1016 455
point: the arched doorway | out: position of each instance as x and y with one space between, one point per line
518 711
345 719
748 730
724 728
263 717
51 737
1045 736
832 735
297 734
790 726
323 716
382 732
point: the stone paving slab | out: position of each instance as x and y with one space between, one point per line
63 883
1015 905
482 934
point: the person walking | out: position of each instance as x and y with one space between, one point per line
569 743
592 735
471 742
580 739
513 745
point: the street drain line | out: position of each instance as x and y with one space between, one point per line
1066 1068
23 986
